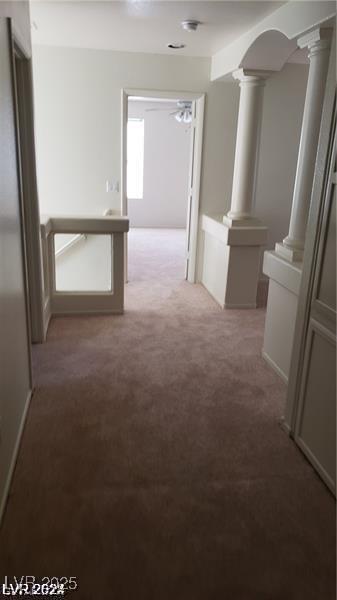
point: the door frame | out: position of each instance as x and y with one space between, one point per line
30 212
199 99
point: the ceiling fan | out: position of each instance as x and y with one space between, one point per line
183 113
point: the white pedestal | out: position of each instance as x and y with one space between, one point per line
231 261
284 284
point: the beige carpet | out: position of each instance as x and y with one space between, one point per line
153 466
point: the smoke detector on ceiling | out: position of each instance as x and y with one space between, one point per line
190 24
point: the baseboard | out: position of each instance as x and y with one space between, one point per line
253 305
324 475
160 227
46 318
87 313
224 306
46 325
285 427
7 486
274 366
211 294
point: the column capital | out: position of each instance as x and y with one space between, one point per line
251 76
315 41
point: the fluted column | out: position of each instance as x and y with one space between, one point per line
318 44
247 145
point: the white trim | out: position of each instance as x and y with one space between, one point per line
154 94
124 199
285 273
47 317
276 368
316 464
101 302
253 234
199 98
84 312
86 224
285 427
214 226
4 497
252 305
195 203
23 87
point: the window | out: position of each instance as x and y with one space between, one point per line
135 158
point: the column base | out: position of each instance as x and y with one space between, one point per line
241 222
290 254
284 285
231 261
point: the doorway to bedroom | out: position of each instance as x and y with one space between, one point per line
161 173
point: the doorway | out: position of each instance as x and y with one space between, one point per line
161 163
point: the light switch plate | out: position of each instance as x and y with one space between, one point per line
111 185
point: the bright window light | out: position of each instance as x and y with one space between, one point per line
135 158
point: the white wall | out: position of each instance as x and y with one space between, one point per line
78 123
87 267
18 11
280 135
166 167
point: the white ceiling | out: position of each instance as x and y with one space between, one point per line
145 25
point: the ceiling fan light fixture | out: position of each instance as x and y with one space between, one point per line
187 118
190 24
179 116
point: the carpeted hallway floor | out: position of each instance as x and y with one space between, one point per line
152 465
